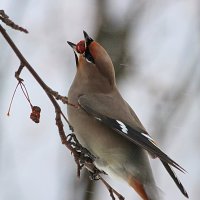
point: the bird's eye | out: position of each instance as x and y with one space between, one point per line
88 56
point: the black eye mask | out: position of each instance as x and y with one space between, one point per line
88 56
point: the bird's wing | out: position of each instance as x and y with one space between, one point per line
108 111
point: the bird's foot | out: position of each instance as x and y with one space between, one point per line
84 154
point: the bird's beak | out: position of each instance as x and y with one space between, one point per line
88 39
73 46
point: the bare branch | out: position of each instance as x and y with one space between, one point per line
82 156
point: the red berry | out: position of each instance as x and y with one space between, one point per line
80 47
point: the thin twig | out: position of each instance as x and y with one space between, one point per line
5 19
18 72
64 99
9 108
111 189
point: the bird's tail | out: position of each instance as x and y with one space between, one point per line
175 178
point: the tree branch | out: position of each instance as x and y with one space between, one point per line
82 156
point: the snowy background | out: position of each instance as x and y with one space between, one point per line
155 46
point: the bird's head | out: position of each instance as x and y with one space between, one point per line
93 59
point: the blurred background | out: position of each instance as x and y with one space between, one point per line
155 47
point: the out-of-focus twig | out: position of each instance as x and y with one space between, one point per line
5 19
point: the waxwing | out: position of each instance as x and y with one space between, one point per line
107 126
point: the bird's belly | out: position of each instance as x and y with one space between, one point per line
113 152
94 135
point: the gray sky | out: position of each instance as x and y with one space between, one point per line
33 162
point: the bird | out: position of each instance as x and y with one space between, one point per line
107 126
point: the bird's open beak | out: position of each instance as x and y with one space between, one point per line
88 39
83 50
72 45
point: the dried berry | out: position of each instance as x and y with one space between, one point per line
35 115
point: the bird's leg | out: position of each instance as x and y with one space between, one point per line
84 154
94 172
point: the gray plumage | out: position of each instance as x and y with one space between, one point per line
108 127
